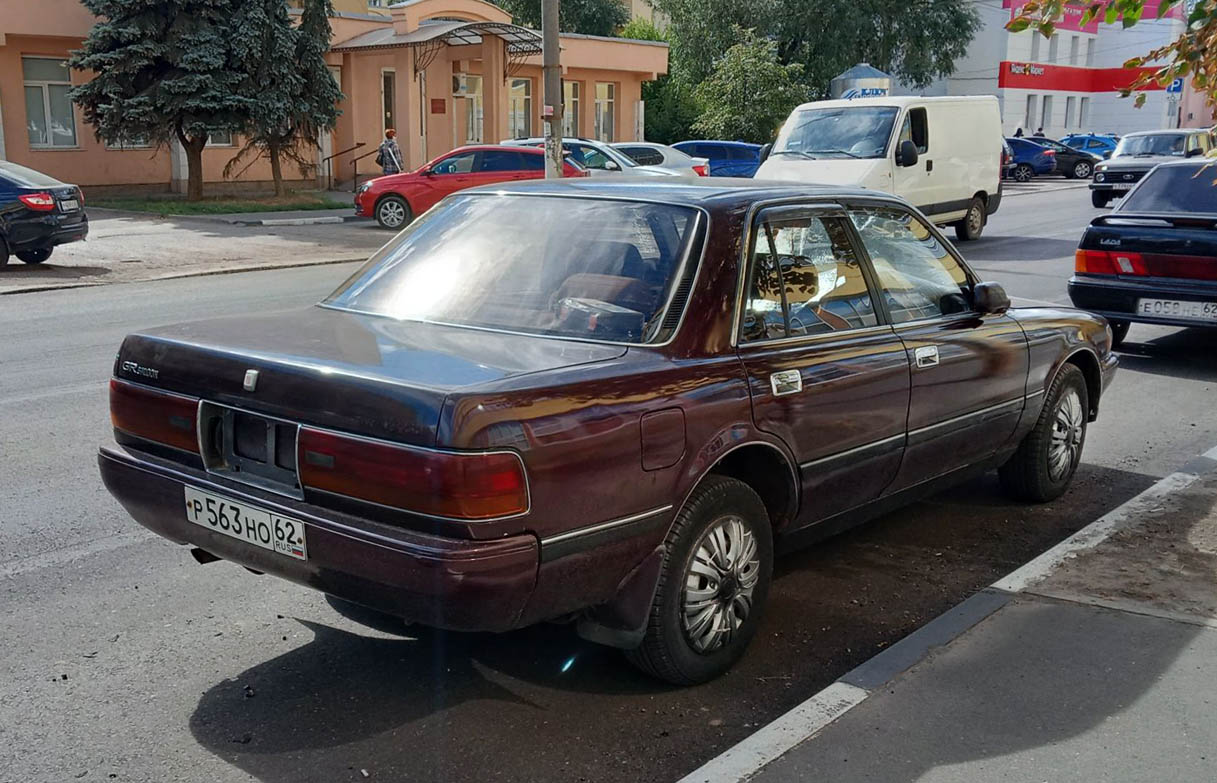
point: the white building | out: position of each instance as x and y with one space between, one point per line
1066 84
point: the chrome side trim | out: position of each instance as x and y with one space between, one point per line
603 526
922 434
878 445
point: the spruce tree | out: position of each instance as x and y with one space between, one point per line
162 70
291 94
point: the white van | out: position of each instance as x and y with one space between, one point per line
942 155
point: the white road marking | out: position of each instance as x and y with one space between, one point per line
803 722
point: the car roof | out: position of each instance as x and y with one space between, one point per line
705 192
1165 132
504 147
747 144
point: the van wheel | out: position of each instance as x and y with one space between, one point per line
1024 173
392 212
1047 458
713 586
1099 198
34 256
973 223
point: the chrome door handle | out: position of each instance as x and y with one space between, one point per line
926 356
786 382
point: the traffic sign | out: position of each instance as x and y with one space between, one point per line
1175 86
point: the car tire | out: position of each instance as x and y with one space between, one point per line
3 253
1049 455
1099 198
1023 172
683 649
1119 330
1082 169
973 223
36 256
392 212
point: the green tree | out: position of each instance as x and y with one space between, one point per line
750 92
1192 55
162 70
291 94
588 17
671 108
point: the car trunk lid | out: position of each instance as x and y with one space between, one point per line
1172 246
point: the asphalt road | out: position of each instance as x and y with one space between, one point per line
121 659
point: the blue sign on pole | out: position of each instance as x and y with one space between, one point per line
1176 86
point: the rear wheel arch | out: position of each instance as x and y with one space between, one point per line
768 470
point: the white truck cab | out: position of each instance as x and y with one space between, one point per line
942 155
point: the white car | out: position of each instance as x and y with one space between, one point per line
648 153
597 157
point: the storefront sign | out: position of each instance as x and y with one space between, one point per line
1040 76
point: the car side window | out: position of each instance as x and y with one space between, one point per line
532 162
461 163
500 160
590 157
916 129
741 153
917 276
805 279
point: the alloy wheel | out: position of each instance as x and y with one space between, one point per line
391 213
1082 170
1023 173
719 584
1065 447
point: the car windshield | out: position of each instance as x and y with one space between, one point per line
27 178
1161 144
1175 189
853 132
569 267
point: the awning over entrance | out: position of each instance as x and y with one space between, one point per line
520 41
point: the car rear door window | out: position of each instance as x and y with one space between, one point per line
918 277
501 160
805 278
461 163
531 162
741 153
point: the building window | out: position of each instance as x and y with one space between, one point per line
605 110
220 138
1069 107
1029 116
388 98
1084 113
474 109
1035 47
1090 52
48 110
1046 118
1073 49
1053 47
570 109
519 115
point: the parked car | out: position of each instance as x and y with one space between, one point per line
1101 144
396 199
1071 163
648 153
892 144
597 157
540 432
727 158
37 213
1137 153
1031 159
1153 259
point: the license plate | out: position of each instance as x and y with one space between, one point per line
1199 311
247 523
69 205
1122 186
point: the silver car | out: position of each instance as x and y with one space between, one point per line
597 157
648 153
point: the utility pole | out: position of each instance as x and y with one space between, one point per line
551 113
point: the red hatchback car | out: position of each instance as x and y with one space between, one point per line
394 200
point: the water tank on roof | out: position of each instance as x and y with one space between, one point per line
861 81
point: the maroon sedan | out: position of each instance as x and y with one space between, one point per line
606 402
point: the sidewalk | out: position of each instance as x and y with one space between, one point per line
1095 662
291 217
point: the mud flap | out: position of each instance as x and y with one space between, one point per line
622 622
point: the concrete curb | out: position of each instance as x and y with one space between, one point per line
228 270
236 219
748 757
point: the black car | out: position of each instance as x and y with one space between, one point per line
1154 258
1073 163
1137 153
37 213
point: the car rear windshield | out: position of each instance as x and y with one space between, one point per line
1162 144
858 132
1171 188
571 267
27 178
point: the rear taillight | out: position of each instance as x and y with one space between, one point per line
1050 152
702 169
1107 262
473 485
158 416
39 202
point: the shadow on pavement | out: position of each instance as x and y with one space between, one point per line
542 704
17 271
1020 248
1185 353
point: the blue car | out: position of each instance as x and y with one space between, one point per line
1101 144
727 158
1030 159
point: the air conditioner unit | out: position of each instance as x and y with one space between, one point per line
460 85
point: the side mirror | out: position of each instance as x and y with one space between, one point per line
990 299
428 172
906 154
611 165
765 150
